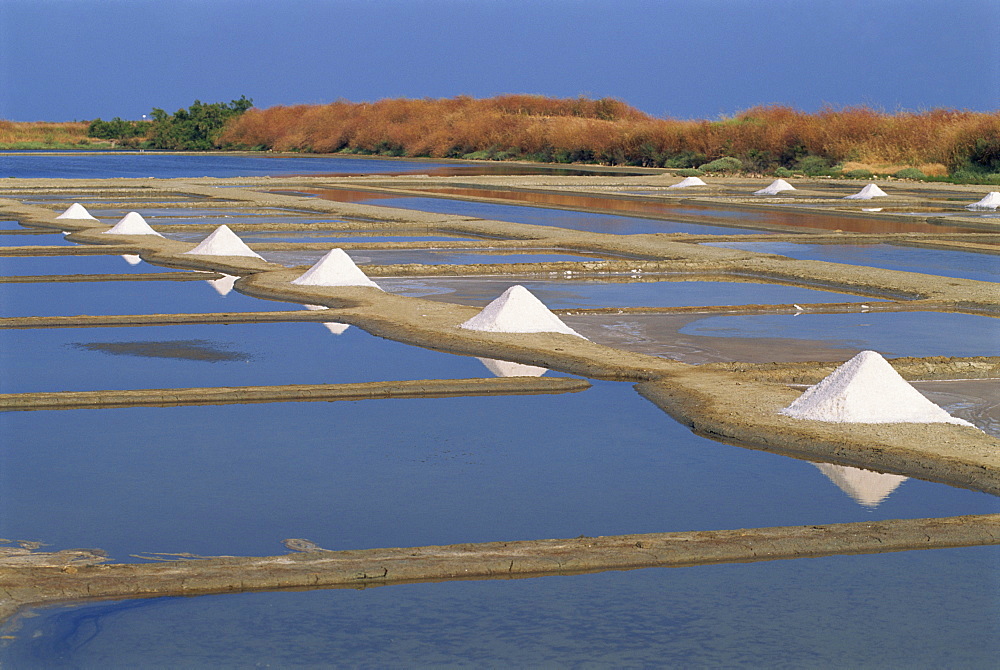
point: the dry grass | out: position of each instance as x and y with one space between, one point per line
14 133
609 131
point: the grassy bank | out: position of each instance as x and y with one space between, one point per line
42 135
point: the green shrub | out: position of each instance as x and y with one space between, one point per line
482 155
813 165
909 173
724 164
685 159
690 172
858 174
783 172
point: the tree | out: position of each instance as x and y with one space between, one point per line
196 128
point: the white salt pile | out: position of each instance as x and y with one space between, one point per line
775 187
866 389
991 201
689 181
867 193
511 369
132 259
332 326
132 224
223 285
77 211
866 487
517 311
223 242
335 269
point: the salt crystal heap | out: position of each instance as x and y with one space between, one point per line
511 369
775 187
77 211
866 389
866 487
867 193
132 259
517 311
991 201
223 242
223 285
335 269
689 181
132 224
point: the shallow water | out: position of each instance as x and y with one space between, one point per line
917 609
50 239
85 359
540 216
785 337
427 256
397 473
73 265
592 292
126 297
946 263
89 165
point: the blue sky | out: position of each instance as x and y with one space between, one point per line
82 59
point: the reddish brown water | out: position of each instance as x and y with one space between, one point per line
664 210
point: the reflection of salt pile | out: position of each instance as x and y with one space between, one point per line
77 211
132 224
866 389
223 285
223 242
991 201
866 487
335 269
517 311
775 187
332 326
132 259
689 181
867 193
511 369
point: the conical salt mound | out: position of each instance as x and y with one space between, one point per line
991 201
335 269
867 488
77 211
517 311
223 242
511 369
332 326
223 285
775 187
689 181
132 259
867 193
132 224
866 389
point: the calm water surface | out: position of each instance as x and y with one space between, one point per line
918 609
947 263
76 265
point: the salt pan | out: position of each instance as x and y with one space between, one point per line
867 193
866 389
689 181
991 201
77 211
517 311
223 242
775 187
335 269
866 487
132 224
